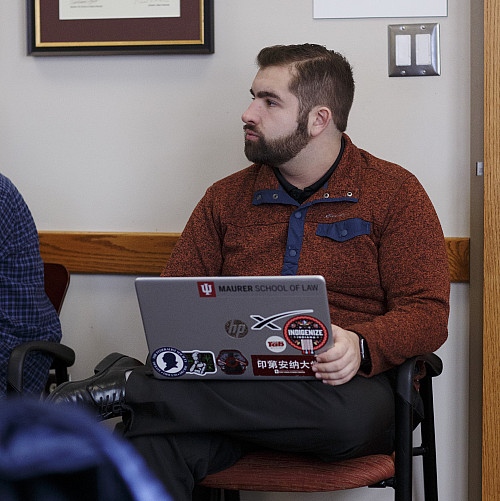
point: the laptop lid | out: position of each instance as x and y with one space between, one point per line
234 327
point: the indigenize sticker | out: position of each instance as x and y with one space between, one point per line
232 362
169 362
305 333
282 365
200 363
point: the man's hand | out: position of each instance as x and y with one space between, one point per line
341 363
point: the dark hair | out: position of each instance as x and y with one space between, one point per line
321 77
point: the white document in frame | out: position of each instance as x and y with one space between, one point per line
117 9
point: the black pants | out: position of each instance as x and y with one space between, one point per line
186 429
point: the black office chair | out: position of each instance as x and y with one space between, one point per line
284 472
56 279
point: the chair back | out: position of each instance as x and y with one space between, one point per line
56 279
57 453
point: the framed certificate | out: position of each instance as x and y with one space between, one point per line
97 27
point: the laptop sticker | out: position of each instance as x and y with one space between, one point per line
236 328
206 289
232 362
305 333
268 322
169 362
200 363
275 344
282 365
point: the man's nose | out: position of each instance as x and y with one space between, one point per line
250 115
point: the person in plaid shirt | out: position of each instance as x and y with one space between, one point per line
26 313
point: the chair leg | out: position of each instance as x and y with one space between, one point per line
429 442
231 495
201 493
404 456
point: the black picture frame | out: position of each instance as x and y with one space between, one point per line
191 33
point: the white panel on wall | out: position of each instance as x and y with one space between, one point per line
383 8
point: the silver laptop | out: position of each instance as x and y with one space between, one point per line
234 327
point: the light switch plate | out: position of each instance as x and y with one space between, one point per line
422 58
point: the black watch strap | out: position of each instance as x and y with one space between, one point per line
366 361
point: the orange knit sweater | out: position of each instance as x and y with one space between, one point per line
372 232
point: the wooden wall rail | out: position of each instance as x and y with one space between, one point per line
147 253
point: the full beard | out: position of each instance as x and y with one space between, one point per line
276 152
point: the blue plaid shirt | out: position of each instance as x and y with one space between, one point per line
26 313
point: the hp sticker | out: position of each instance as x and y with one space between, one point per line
169 362
236 328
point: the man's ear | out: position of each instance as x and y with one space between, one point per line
319 119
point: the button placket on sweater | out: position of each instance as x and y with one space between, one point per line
294 241
296 222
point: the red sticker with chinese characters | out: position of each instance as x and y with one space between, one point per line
283 365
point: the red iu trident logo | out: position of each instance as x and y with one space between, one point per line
206 289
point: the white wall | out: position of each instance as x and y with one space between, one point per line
129 143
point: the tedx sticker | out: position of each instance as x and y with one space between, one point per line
276 344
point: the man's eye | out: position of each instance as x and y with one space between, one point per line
270 102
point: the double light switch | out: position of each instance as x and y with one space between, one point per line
414 50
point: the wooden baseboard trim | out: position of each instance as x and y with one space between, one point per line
146 253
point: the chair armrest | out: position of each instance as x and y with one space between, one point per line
63 357
405 373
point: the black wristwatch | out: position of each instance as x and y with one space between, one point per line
366 361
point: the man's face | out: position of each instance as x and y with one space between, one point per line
273 136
